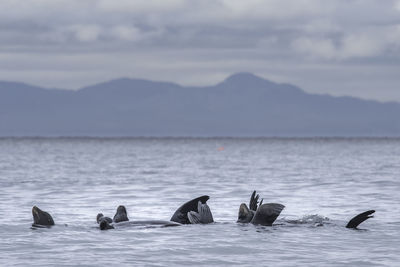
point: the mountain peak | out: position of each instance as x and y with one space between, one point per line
242 105
245 78
243 75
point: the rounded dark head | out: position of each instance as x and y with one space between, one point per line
104 225
121 209
41 217
245 214
121 215
99 216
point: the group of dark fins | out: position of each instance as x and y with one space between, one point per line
196 211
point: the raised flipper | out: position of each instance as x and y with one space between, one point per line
181 214
246 214
194 217
203 215
357 220
253 204
267 213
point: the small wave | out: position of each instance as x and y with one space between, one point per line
314 219
149 172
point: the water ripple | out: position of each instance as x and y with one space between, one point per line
75 178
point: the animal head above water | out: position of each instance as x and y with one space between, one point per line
121 215
245 214
41 217
105 223
100 217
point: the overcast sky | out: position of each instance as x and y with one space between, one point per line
340 47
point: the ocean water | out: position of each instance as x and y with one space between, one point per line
322 182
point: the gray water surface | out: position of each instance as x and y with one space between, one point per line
318 180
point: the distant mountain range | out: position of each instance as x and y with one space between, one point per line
242 105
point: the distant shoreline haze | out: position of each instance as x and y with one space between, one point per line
243 105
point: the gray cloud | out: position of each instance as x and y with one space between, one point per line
339 47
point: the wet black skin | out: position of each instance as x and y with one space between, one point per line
105 225
104 222
180 215
121 215
41 218
357 220
100 217
266 214
245 214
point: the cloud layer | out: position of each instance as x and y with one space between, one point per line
339 47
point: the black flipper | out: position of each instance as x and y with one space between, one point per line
357 220
253 205
180 215
204 215
267 213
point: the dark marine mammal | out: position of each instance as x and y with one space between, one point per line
358 219
104 222
101 217
194 211
266 214
203 214
318 220
144 223
259 214
121 220
121 215
41 218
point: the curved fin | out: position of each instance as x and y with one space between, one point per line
267 213
357 220
181 214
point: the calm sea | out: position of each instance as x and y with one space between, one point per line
320 181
